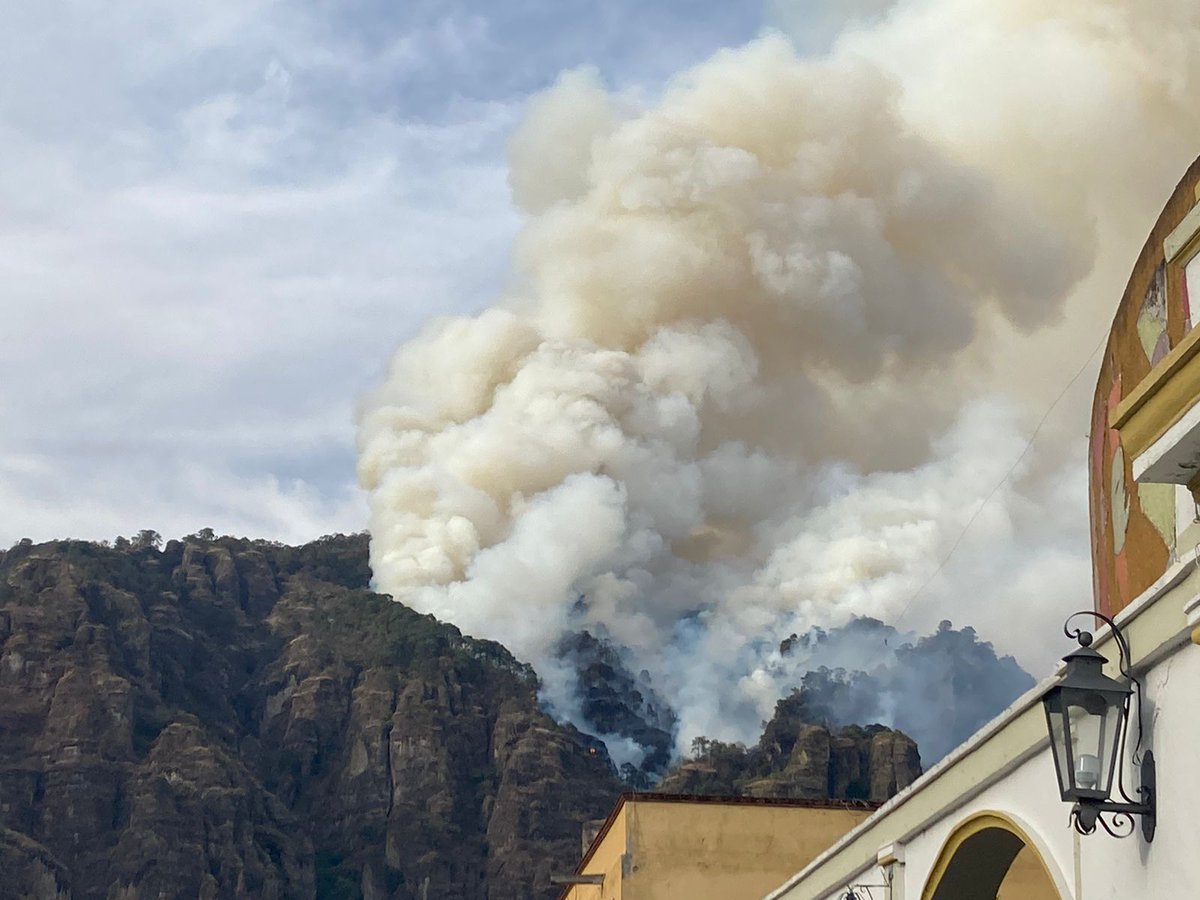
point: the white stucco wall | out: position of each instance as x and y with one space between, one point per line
1030 797
1095 867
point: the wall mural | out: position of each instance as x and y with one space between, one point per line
1152 318
1133 525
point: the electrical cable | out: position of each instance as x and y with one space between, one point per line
1007 475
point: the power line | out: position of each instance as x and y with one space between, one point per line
1007 475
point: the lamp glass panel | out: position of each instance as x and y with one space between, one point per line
1094 732
1059 742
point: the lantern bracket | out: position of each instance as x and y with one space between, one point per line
1087 814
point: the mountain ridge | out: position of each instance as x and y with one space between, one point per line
240 717
231 717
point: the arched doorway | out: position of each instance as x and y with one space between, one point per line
990 857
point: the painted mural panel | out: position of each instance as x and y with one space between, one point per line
1152 318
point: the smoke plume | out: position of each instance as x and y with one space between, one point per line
939 689
772 339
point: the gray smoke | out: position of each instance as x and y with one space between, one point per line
938 689
750 377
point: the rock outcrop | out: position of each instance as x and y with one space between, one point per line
939 689
618 703
29 869
228 718
800 757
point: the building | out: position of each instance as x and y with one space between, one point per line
669 847
989 818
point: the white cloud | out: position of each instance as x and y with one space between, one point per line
205 261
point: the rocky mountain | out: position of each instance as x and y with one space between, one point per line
222 718
939 688
799 756
620 704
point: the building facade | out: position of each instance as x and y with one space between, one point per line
988 820
668 847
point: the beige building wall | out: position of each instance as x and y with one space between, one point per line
707 848
1027 879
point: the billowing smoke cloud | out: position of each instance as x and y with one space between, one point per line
751 375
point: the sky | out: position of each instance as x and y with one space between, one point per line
226 228
217 221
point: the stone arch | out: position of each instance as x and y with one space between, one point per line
982 852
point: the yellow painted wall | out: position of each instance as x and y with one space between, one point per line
605 861
1027 880
709 851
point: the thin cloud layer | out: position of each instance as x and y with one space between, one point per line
216 222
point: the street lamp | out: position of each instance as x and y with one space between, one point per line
1087 714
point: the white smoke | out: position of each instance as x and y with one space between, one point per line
758 368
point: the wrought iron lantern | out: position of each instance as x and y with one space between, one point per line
1087 714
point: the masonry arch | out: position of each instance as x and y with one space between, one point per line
990 855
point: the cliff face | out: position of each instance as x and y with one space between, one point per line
797 757
939 688
617 702
235 718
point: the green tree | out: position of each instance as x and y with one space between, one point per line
147 537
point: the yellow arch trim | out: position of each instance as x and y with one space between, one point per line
973 825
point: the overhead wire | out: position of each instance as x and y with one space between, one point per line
1007 475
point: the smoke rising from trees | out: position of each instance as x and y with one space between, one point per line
755 371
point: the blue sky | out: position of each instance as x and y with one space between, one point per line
218 220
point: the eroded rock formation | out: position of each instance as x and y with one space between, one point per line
234 718
798 756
